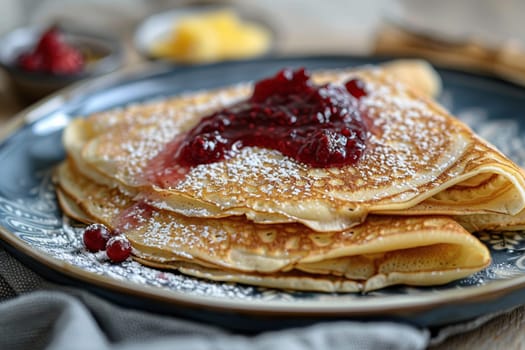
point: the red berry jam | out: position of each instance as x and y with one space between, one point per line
96 237
52 55
321 126
317 125
118 248
133 216
356 88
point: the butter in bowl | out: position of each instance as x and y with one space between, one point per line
203 35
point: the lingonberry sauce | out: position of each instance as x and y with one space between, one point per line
321 126
356 88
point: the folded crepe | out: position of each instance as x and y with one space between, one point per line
400 215
419 160
382 251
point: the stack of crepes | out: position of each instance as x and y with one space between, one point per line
400 215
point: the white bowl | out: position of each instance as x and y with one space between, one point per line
160 26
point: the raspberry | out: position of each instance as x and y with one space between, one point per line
52 55
30 61
66 60
49 42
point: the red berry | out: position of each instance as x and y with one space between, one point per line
205 148
52 55
118 248
49 42
66 60
31 62
356 88
96 237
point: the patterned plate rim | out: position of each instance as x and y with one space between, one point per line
377 306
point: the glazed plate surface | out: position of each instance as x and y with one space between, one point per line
35 231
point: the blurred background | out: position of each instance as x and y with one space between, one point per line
482 35
302 25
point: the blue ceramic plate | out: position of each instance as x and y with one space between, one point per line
33 228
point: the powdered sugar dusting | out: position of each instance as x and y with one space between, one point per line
254 171
408 139
129 138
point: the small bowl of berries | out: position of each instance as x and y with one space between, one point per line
40 61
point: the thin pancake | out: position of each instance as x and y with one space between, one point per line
416 154
380 252
492 222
